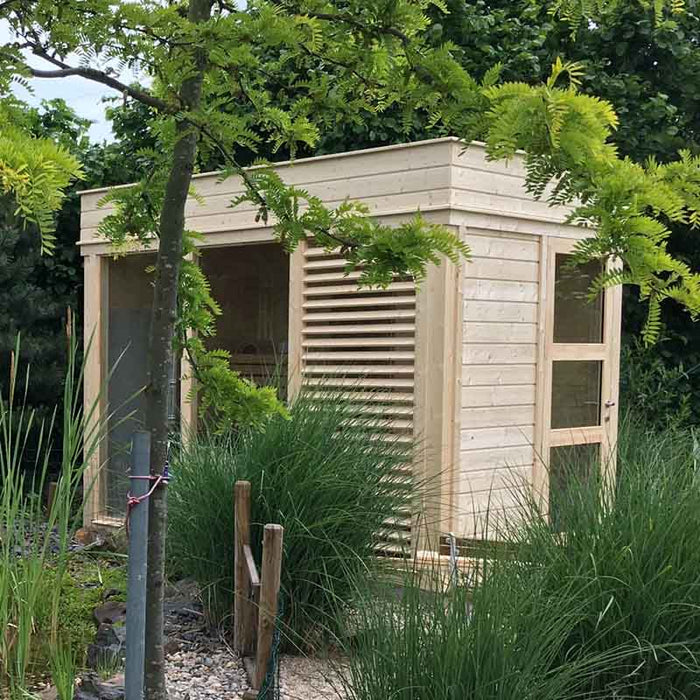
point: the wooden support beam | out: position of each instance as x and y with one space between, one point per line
252 569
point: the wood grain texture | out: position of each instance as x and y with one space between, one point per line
273 536
243 606
499 368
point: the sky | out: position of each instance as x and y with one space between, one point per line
84 96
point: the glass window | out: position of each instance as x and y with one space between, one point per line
573 472
576 318
130 300
576 389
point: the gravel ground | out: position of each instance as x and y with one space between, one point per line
201 666
197 676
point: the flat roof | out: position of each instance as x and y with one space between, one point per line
327 156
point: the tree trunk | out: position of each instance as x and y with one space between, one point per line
160 360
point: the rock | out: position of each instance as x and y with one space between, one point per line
110 612
107 649
111 593
120 632
91 688
171 646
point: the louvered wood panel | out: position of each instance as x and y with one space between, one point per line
361 343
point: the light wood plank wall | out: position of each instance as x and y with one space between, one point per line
500 289
393 181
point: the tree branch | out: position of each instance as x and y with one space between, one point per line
65 71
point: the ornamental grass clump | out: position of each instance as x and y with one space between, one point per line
632 555
420 641
323 474
604 605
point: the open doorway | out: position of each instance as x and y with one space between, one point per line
251 284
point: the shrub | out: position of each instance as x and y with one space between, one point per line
608 607
322 474
657 387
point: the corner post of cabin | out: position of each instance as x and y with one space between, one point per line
188 390
611 380
295 336
188 398
94 396
543 401
438 315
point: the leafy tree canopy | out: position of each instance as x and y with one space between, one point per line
34 172
310 57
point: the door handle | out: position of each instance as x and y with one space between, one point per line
609 403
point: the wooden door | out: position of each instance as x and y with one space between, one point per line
579 411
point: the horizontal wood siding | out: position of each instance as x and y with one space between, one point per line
481 185
388 180
499 363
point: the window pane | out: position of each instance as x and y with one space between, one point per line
130 300
573 472
576 388
576 319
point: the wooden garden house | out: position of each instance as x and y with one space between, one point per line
501 367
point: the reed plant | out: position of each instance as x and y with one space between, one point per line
63 664
35 544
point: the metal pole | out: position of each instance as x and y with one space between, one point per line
138 564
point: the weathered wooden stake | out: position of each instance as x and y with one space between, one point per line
269 593
243 606
51 497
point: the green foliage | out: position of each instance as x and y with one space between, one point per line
655 390
647 69
31 585
83 588
381 252
630 206
576 11
608 610
63 670
226 400
320 474
302 68
500 641
36 289
34 172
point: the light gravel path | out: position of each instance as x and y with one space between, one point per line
220 675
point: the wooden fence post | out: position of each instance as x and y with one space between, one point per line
243 606
51 497
269 594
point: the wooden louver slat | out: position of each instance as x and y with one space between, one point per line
360 343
